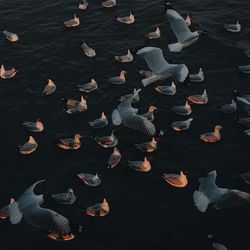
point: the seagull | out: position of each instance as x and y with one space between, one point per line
247 132
114 158
182 109
180 28
6 74
212 136
247 52
141 166
125 58
160 67
155 34
233 27
75 107
36 126
199 99
127 115
70 143
87 50
176 180
107 141
166 90
244 103
65 198
150 114
83 5
50 88
88 87
100 122
118 79
12 37
245 177
28 147
181 125
135 99
215 244
245 69
109 3
199 77
127 19
99 209
147 146
90 179
28 208
209 192
229 108
72 22
244 121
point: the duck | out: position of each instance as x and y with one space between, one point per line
36 126
100 122
199 99
141 166
181 125
155 34
118 79
87 50
229 108
73 22
166 90
69 143
99 209
114 158
6 74
233 27
183 109
12 37
83 5
107 141
65 198
90 179
127 19
176 180
76 107
109 3
150 114
149 147
188 20
245 69
135 98
50 88
28 147
199 77
88 87
212 136
245 177
125 58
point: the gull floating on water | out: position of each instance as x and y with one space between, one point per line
135 99
229 108
87 50
245 69
209 192
181 125
13 37
6 74
182 109
100 122
109 3
150 114
141 166
127 19
199 99
90 179
72 22
36 126
107 141
180 28
125 58
28 147
147 146
70 143
75 106
88 87
118 79
166 90
199 77
160 67
83 5
233 27
50 88
212 136
65 198
99 209
176 180
114 158
155 34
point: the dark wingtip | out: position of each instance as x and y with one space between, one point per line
168 6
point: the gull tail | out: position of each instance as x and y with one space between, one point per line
15 214
175 47
149 80
201 201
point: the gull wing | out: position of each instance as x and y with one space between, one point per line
244 103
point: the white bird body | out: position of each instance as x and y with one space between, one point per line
88 87
50 88
141 166
65 198
114 158
183 109
212 136
6 74
100 122
155 34
109 3
233 27
127 19
199 99
147 146
167 90
107 141
28 147
229 108
87 50
75 107
245 69
118 79
90 179
83 5
125 58
12 37
70 143
34 126
176 180
99 209
181 125
199 77
72 22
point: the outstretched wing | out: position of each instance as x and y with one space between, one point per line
179 72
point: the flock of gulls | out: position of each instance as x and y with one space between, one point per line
28 206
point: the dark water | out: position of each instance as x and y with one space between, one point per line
145 212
